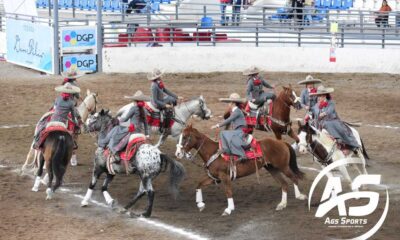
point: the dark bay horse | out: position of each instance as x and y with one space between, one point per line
148 163
56 153
280 116
278 157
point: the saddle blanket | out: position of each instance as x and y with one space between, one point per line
253 154
51 128
153 119
130 150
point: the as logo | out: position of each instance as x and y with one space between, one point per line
333 200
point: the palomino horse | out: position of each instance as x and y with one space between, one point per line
183 112
147 163
57 151
320 145
278 157
280 116
85 108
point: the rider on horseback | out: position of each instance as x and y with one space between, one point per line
118 138
307 101
71 77
162 99
255 84
233 141
64 104
326 118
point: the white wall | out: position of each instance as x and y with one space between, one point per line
221 59
3 46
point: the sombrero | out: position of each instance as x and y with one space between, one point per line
72 74
138 96
250 71
68 88
310 80
156 73
234 97
321 90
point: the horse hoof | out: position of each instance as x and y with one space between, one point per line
227 212
111 203
145 215
201 206
35 189
122 210
280 207
302 197
84 203
132 215
49 193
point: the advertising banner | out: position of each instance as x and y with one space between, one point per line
83 62
78 38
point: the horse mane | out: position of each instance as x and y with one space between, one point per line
203 135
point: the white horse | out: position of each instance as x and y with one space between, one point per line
183 111
324 148
84 109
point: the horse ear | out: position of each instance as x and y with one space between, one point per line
190 126
102 112
106 111
290 86
88 92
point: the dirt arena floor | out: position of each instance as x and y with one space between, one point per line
25 95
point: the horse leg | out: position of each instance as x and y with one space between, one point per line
345 174
38 175
49 192
140 193
295 181
95 176
228 192
30 154
150 197
199 195
107 196
162 139
284 186
294 136
364 163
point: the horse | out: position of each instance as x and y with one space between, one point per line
321 146
147 163
56 153
279 118
87 106
277 157
196 106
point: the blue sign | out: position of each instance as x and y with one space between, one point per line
83 62
30 45
78 38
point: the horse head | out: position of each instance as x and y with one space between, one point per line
98 121
290 97
198 107
190 138
88 106
304 134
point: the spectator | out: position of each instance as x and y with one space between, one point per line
136 6
237 4
223 5
297 6
382 18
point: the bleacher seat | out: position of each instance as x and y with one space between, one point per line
180 36
347 4
318 3
202 36
206 22
155 7
326 3
106 5
81 4
91 5
163 35
115 5
337 4
143 35
319 15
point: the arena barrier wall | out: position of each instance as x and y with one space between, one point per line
234 59
3 45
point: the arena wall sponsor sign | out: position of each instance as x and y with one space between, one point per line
83 62
30 45
78 38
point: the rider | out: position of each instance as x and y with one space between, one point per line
71 76
255 83
306 101
233 140
64 104
133 122
326 117
162 98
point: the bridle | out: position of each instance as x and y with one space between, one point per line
203 111
184 145
91 111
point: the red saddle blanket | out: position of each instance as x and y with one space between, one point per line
70 125
252 154
130 149
252 121
153 119
45 133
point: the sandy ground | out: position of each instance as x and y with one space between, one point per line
26 95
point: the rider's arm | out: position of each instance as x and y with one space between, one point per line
129 114
231 118
265 84
170 93
330 110
249 90
154 93
303 98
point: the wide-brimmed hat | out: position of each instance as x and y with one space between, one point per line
139 96
72 73
234 97
68 88
321 90
310 80
251 70
156 73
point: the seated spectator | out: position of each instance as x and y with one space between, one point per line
223 5
237 4
382 18
136 6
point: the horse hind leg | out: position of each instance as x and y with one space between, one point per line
39 173
49 192
109 200
275 173
140 193
288 172
150 198
95 176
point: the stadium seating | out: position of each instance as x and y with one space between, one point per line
206 22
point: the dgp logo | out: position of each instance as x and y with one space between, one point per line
82 62
331 200
73 37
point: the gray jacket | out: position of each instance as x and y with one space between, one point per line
306 100
236 118
158 95
61 110
134 117
253 91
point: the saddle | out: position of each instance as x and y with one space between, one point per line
253 151
51 127
70 124
154 119
255 114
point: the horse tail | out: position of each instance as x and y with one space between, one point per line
58 157
293 163
364 151
176 173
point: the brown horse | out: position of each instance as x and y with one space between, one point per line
56 153
280 116
278 157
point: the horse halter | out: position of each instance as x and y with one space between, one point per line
183 146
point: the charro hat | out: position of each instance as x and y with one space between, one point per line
68 88
139 96
310 80
234 97
156 73
321 90
72 73
251 70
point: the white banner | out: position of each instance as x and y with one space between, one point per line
23 7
